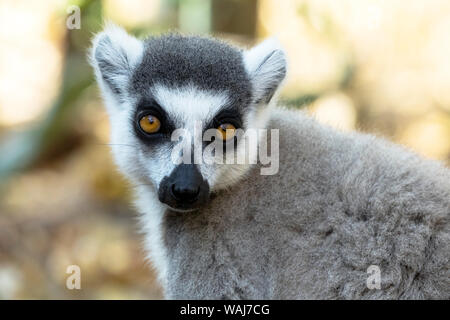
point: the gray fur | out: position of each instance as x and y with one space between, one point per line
175 61
340 202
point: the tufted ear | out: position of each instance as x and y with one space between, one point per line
266 66
113 55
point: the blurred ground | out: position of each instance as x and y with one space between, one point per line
370 65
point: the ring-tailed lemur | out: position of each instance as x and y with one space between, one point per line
339 203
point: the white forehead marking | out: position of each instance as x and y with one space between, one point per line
189 103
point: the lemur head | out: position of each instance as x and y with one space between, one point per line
153 87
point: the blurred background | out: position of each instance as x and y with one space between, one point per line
378 66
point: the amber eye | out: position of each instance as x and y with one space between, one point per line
150 124
226 131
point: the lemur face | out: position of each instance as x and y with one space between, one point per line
165 94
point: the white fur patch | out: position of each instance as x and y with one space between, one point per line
189 103
151 217
120 50
266 65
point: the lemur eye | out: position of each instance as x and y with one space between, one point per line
150 124
226 131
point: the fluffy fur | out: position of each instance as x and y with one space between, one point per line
340 202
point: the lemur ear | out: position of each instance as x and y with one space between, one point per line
113 55
266 65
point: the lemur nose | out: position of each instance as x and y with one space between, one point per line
184 188
183 192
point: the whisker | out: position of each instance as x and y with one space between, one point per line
142 184
117 144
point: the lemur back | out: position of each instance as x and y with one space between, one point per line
338 205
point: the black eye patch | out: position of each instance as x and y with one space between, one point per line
231 115
227 115
151 107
